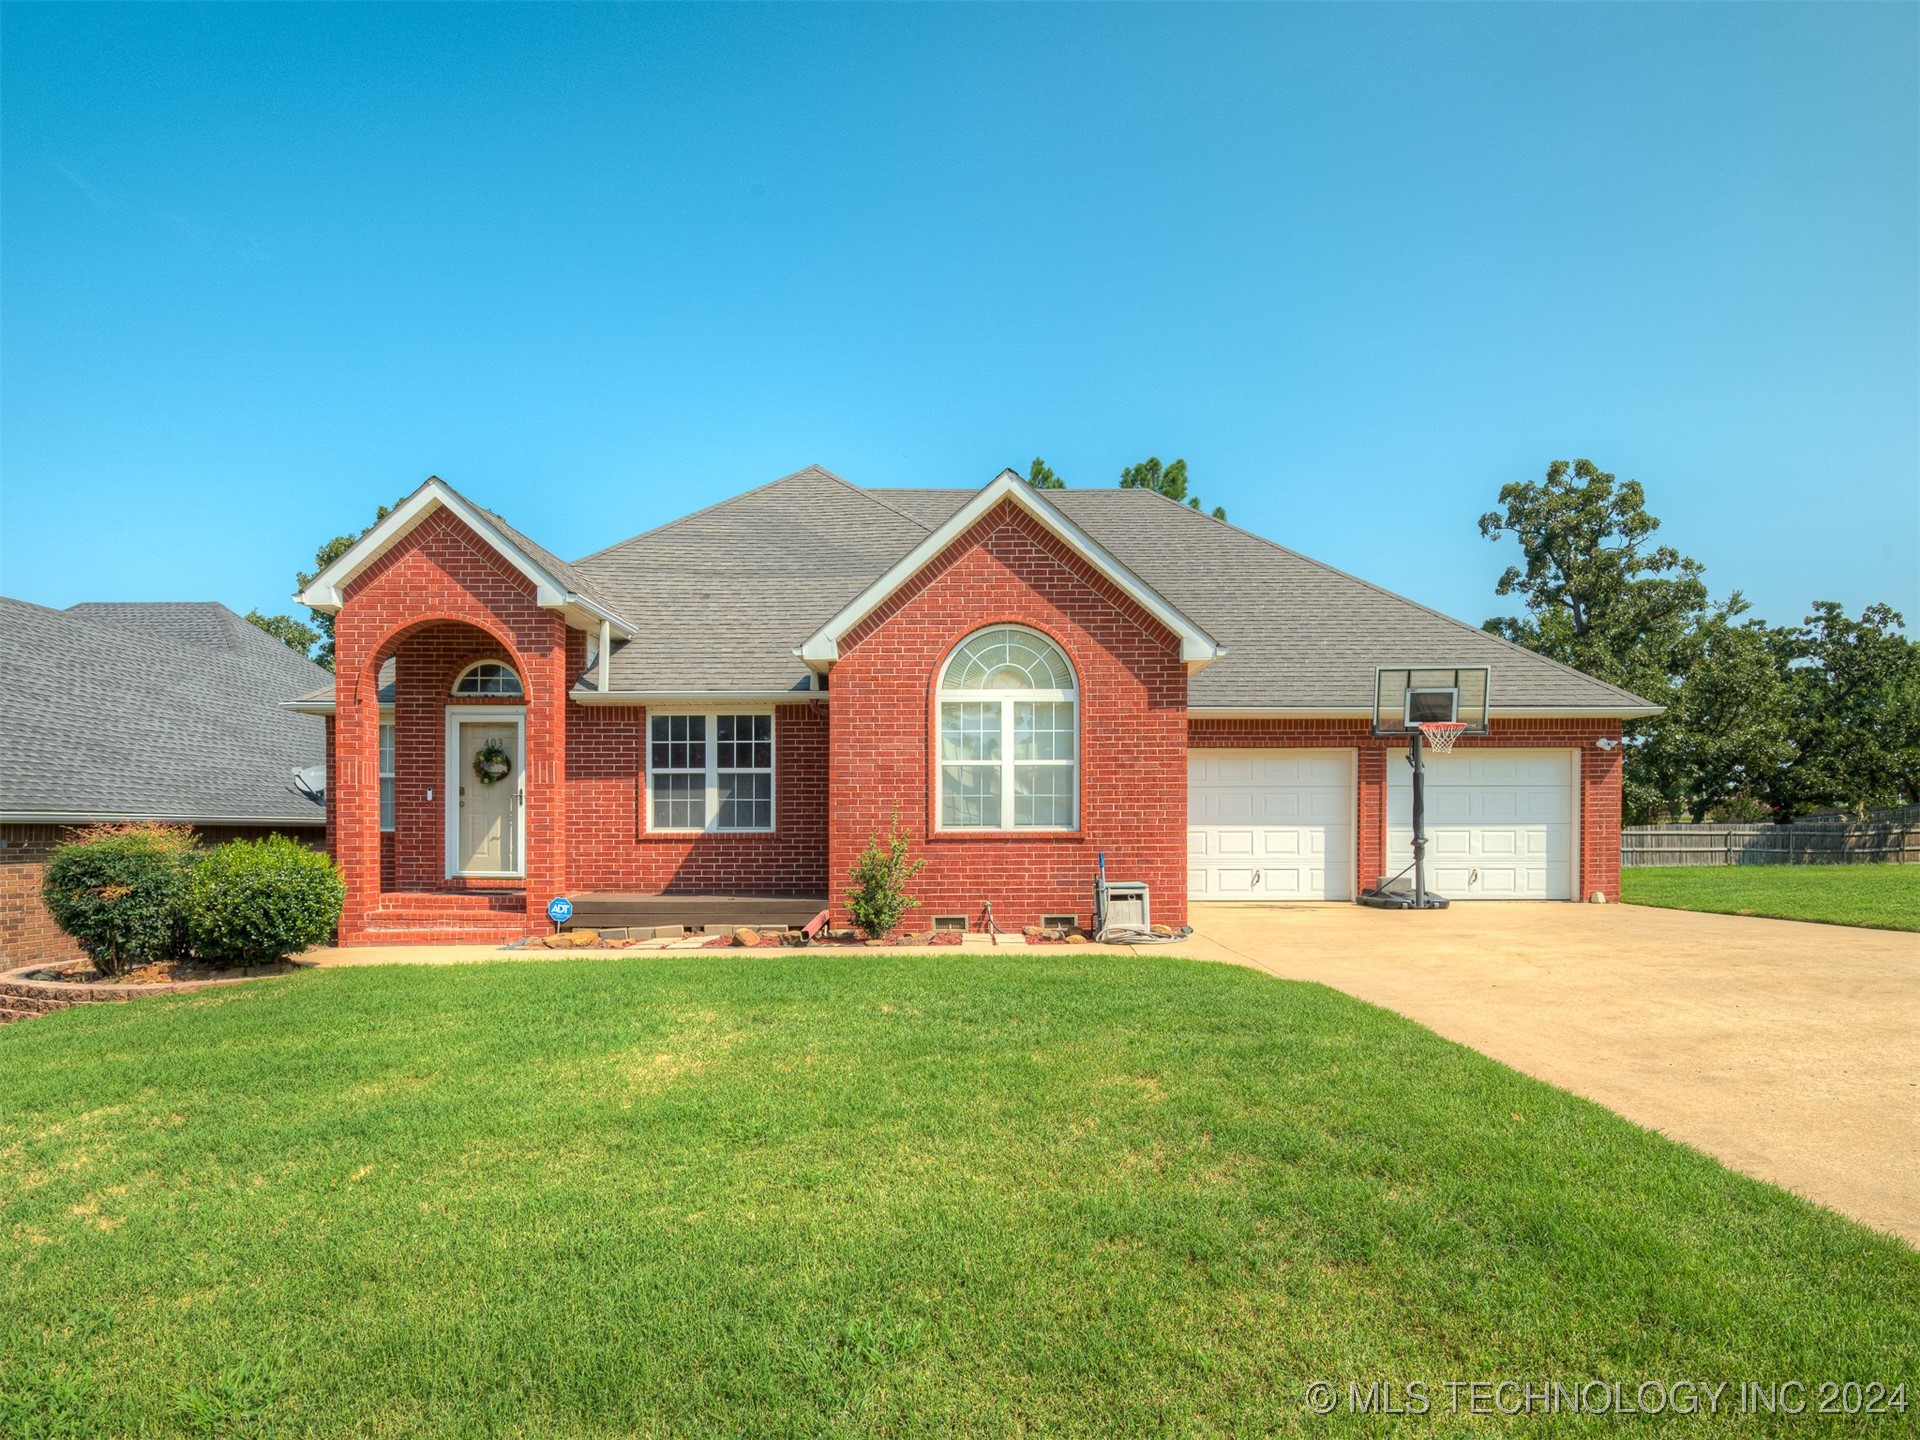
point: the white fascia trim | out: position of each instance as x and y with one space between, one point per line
1575 712
86 817
1498 712
721 698
324 708
1197 648
325 592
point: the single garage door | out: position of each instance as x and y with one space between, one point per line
1500 823
1269 824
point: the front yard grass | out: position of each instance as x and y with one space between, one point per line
891 1195
1881 897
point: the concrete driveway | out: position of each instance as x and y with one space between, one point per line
1786 1050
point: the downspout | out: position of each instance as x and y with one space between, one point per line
606 653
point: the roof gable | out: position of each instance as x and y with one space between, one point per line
1197 647
557 585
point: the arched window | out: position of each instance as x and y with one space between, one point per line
491 679
1009 734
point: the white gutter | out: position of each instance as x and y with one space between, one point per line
1365 712
698 697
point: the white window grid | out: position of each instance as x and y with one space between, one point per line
710 772
1002 734
490 678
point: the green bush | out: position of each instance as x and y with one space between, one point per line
120 891
879 898
256 901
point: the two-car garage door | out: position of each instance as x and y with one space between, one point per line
1502 824
1270 824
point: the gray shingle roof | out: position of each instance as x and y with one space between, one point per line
566 574
152 711
722 598
719 600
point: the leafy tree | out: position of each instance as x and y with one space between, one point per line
1041 477
1855 711
1601 596
1169 480
287 630
1727 735
323 557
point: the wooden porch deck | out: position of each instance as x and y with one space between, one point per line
614 909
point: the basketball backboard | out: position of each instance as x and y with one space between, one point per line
1408 695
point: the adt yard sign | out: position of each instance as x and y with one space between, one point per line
560 910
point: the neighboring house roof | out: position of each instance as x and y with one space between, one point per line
162 711
557 585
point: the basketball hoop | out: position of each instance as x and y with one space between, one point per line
1441 734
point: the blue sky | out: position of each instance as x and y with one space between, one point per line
265 267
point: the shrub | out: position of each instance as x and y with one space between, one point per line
120 892
256 901
879 898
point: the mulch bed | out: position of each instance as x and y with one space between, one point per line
159 972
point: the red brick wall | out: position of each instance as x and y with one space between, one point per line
439 598
1599 778
610 846
28 935
1133 690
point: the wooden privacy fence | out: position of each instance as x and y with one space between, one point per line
1893 841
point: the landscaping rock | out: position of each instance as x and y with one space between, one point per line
1076 938
746 935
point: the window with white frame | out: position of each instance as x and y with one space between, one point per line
710 772
386 776
1009 738
491 679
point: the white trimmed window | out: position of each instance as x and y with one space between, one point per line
386 776
490 679
1009 734
710 772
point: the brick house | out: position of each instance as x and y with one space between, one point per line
136 711
731 704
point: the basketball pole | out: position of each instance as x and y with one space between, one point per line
1419 821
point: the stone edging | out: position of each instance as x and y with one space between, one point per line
21 997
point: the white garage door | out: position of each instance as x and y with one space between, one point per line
1500 823
1269 824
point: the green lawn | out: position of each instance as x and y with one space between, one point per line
1884 897
888 1195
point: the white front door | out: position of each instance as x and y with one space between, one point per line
1270 824
1500 823
487 830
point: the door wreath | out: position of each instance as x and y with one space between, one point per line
492 763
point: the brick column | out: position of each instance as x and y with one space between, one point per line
1600 772
545 673
353 780
1370 818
